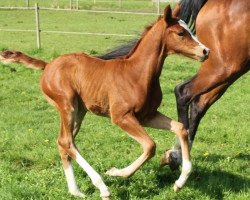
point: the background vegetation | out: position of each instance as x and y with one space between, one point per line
30 167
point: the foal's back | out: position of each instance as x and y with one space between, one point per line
97 82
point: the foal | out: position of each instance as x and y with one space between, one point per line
126 89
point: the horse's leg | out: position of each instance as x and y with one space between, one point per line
174 154
201 104
79 114
161 121
66 159
199 107
70 124
200 100
131 125
211 75
182 109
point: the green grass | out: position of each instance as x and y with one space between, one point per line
30 167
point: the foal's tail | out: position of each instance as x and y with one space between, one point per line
19 57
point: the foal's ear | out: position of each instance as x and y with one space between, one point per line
167 14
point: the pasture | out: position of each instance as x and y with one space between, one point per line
30 167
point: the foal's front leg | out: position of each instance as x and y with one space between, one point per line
131 125
161 121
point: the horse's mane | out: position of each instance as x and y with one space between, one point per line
127 49
189 10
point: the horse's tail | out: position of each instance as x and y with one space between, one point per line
189 10
19 57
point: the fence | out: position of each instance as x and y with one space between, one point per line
37 18
87 5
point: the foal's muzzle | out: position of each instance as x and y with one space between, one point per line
206 52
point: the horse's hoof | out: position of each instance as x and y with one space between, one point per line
176 188
171 158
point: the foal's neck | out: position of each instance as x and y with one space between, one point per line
149 56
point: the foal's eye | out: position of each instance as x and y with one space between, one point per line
180 34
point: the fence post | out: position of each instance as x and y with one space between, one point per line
120 3
27 3
37 27
77 4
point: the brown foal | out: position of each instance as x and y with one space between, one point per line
126 89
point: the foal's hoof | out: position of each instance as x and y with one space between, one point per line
105 198
78 194
176 188
113 172
171 158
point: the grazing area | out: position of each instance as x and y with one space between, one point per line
30 165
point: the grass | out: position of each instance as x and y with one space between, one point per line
30 167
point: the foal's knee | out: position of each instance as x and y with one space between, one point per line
66 145
181 131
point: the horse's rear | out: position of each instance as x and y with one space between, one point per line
223 26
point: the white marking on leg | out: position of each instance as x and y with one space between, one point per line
73 188
185 172
94 176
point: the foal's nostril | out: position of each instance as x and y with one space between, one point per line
206 52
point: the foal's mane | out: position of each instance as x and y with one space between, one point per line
189 10
127 49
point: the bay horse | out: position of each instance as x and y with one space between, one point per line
223 26
126 89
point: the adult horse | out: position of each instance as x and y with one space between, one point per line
223 26
126 89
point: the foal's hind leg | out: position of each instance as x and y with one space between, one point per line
70 123
130 124
161 121
66 159
78 116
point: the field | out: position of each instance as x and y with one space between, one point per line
30 167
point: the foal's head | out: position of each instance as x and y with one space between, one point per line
179 39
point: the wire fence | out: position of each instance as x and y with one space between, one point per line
55 6
128 6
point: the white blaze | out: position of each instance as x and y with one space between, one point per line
184 25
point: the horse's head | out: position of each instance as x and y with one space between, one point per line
179 39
